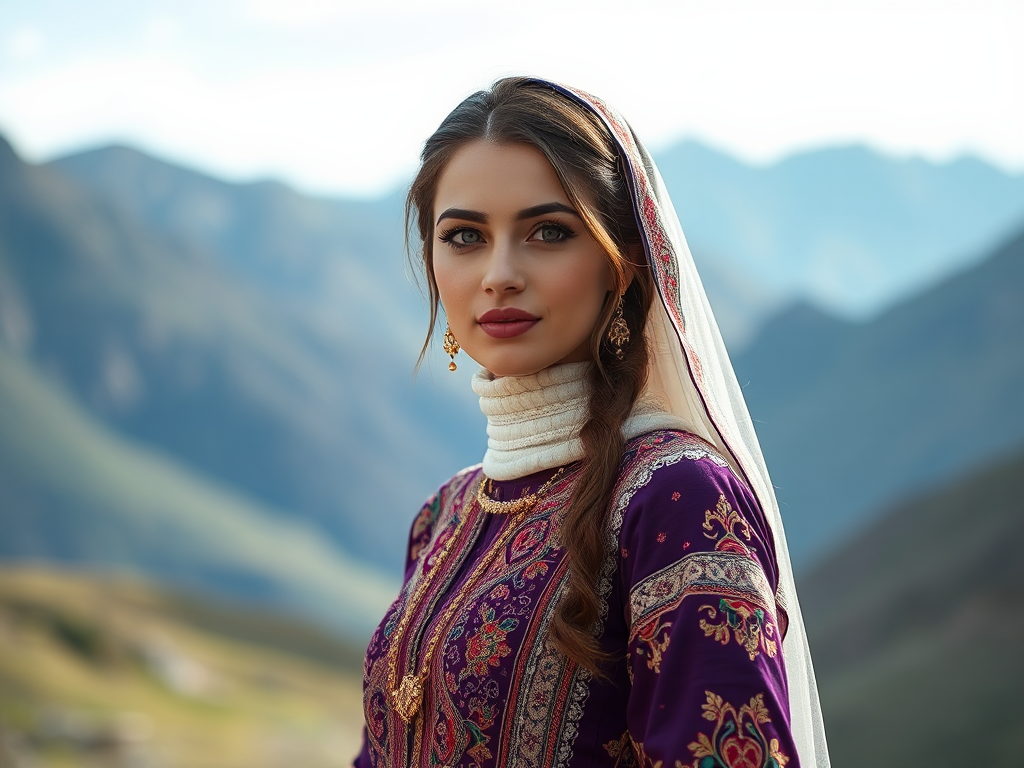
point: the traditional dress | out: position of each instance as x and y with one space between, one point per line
709 664
690 618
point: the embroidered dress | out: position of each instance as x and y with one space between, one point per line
710 662
690 620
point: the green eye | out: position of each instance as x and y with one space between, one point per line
552 233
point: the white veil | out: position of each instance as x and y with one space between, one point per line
693 378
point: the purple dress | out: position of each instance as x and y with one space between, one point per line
690 620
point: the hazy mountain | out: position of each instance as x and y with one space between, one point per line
915 629
340 252
265 339
845 228
307 404
73 492
852 416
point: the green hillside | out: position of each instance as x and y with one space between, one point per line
303 401
916 630
71 490
113 673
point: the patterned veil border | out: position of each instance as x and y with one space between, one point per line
692 376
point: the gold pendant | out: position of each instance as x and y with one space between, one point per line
408 697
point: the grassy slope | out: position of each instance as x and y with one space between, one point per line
77 668
916 629
59 469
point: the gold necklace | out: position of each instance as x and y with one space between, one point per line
516 506
407 696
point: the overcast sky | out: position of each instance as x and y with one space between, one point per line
338 97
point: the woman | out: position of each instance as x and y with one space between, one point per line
612 586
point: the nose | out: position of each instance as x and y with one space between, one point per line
504 272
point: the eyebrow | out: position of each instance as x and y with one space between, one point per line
526 213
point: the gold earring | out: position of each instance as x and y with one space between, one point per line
618 331
451 347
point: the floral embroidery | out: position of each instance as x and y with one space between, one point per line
527 540
649 635
747 622
737 741
500 592
675 496
483 716
661 537
535 569
729 519
423 524
622 750
487 647
644 760
721 574
500 695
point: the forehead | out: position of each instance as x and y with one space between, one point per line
497 178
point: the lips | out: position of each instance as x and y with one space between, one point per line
506 322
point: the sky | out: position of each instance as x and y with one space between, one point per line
337 97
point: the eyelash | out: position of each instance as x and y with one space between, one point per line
447 235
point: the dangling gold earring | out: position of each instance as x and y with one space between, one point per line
451 347
618 331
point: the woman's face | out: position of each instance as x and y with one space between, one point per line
521 279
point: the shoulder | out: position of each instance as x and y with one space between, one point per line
441 504
674 466
678 496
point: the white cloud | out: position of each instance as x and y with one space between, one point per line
162 30
339 96
24 43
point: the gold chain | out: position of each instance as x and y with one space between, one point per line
407 696
518 505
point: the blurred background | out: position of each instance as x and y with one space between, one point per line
211 439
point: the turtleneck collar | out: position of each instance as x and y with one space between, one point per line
533 422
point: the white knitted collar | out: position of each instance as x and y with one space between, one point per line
533 422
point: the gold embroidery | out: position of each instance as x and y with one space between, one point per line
748 623
649 635
729 519
737 737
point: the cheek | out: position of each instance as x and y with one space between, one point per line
582 288
453 285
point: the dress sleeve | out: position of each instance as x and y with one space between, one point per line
708 685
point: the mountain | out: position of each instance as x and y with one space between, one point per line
854 415
346 253
915 628
844 228
264 341
71 491
302 399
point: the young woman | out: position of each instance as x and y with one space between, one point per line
611 587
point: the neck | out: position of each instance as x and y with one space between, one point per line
533 422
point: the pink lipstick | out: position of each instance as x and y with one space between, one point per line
506 322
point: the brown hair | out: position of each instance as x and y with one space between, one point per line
581 150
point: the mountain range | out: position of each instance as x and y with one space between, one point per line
213 381
843 228
853 415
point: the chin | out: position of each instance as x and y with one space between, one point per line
512 365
